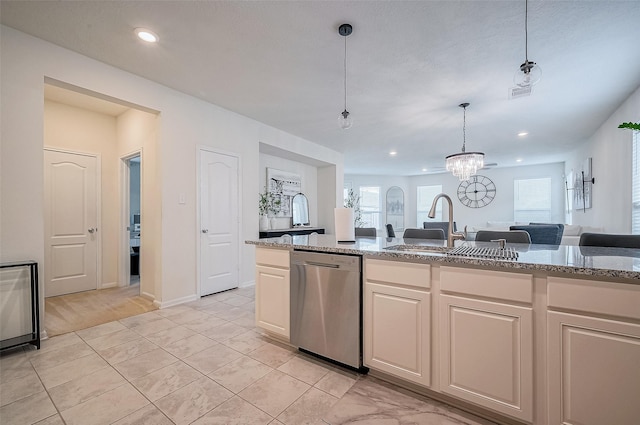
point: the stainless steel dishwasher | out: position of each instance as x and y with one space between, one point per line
326 303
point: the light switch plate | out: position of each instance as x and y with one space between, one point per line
182 199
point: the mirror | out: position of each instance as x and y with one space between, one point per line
300 209
395 208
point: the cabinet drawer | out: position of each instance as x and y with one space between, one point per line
615 299
516 287
398 272
273 257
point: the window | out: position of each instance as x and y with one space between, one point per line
345 191
532 200
425 197
635 184
370 206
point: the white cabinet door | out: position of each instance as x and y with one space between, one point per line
486 354
272 300
397 331
594 370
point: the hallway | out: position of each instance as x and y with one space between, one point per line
73 312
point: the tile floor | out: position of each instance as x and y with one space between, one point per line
198 363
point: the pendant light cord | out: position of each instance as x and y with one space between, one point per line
345 73
526 32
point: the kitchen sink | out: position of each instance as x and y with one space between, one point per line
419 248
460 251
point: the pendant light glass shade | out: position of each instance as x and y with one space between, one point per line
464 164
344 119
528 74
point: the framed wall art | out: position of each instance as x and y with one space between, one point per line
283 186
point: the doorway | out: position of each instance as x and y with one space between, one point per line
131 217
77 120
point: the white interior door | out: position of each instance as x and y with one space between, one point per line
71 222
219 222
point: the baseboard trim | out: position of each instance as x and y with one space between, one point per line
480 411
109 285
247 284
174 302
148 296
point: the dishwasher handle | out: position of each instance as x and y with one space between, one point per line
316 264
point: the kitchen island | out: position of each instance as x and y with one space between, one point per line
548 338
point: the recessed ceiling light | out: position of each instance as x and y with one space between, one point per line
424 169
393 153
519 160
147 35
522 133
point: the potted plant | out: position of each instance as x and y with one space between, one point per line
630 125
263 209
274 208
353 201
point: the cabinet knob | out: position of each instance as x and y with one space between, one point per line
205 230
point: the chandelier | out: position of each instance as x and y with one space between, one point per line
464 164
344 119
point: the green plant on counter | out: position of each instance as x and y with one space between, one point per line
263 202
630 125
274 204
353 201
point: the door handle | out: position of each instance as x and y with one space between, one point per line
205 230
91 230
330 266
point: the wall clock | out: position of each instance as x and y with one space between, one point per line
477 192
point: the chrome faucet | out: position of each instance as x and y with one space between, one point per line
452 235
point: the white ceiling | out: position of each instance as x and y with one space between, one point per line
410 63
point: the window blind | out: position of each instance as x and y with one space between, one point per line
635 185
370 206
425 197
532 200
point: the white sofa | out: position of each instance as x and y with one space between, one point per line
572 232
570 236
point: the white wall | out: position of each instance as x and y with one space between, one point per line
610 148
184 123
137 131
82 131
309 184
501 209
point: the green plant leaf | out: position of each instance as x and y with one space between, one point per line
630 125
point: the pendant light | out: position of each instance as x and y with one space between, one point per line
464 164
529 73
344 119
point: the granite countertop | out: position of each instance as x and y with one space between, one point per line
612 263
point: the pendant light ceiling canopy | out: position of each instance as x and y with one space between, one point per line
529 73
344 119
464 164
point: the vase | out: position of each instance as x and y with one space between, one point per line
272 223
264 223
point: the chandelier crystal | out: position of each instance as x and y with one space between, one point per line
464 164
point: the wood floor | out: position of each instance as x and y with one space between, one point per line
73 312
